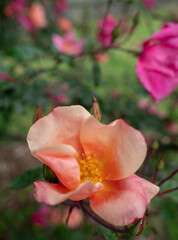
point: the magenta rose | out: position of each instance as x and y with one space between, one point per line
157 66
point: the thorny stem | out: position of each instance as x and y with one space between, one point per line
129 35
168 191
155 175
167 178
150 154
103 49
69 214
91 215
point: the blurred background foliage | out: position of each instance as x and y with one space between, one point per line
33 73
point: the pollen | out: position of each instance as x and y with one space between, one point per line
90 169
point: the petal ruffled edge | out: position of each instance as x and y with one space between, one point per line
53 194
61 126
120 147
62 160
122 202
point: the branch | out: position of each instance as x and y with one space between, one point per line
167 178
150 154
168 191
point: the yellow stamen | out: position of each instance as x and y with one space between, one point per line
90 169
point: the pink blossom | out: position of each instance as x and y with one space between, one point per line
64 24
150 4
30 18
101 57
16 6
145 104
68 44
157 66
5 77
25 22
106 26
60 6
40 217
92 160
61 98
49 216
172 127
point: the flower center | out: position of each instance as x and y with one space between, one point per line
90 169
68 47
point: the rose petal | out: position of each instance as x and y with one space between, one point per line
123 201
120 147
48 139
62 125
53 194
168 31
62 160
157 66
157 69
58 41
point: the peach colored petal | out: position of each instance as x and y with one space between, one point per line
37 15
120 147
62 125
54 194
123 201
61 159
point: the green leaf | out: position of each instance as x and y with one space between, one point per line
108 234
26 52
141 7
26 178
96 73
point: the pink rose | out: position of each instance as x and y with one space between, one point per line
5 77
92 160
40 217
150 4
68 44
157 66
106 26
64 24
60 6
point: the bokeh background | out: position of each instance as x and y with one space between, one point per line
34 75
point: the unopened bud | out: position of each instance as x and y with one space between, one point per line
160 164
38 113
49 175
95 110
154 144
137 227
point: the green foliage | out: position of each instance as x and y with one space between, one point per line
38 73
108 234
26 52
26 178
96 72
